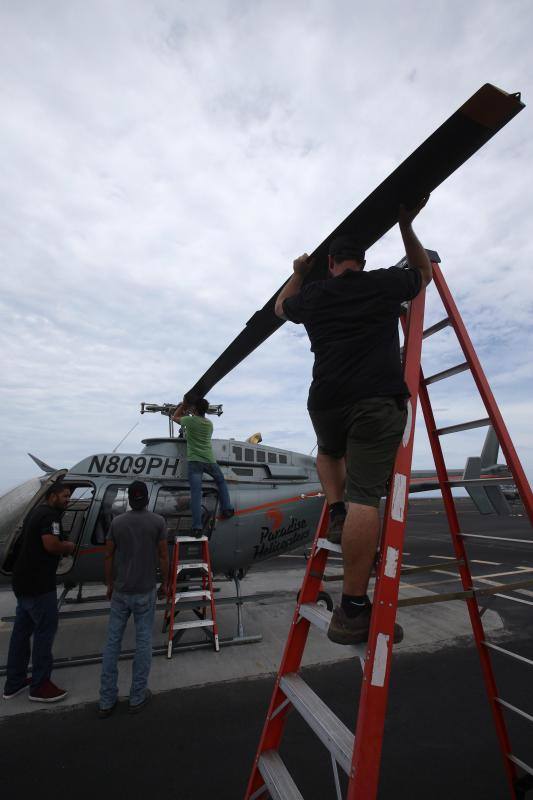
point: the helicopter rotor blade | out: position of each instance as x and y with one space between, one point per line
453 143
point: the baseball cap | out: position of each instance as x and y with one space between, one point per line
348 247
138 494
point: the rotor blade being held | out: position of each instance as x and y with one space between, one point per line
465 132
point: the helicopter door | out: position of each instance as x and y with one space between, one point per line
16 505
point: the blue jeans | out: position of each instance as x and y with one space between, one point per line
142 606
38 616
196 470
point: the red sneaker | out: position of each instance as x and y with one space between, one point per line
47 692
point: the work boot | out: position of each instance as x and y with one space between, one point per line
227 513
197 533
336 524
105 713
354 630
47 692
139 706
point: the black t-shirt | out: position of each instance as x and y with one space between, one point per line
352 322
34 572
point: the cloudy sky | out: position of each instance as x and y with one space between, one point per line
162 164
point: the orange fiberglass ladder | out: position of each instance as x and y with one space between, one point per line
359 755
191 588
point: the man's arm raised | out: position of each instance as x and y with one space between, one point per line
416 255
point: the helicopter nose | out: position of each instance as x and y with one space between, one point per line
13 504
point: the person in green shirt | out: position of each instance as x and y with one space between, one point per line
199 430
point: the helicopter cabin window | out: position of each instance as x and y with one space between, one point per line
114 502
237 452
282 459
174 504
272 458
248 455
260 456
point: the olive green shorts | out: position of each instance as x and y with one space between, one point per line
367 433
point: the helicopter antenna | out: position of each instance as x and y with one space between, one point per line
124 438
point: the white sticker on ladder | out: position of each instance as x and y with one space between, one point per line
398 497
391 562
379 668
408 425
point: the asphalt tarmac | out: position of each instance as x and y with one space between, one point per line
199 742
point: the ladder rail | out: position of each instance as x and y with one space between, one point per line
292 655
467 583
364 776
511 456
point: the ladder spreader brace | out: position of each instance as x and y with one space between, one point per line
359 755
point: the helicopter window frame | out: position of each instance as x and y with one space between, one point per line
283 459
260 456
272 458
237 453
249 454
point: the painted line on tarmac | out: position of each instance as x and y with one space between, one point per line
516 571
445 558
515 599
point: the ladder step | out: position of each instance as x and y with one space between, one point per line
321 617
514 708
193 623
277 777
439 326
330 730
316 614
192 565
181 539
325 544
464 426
202 594
447 373
508 653
519 763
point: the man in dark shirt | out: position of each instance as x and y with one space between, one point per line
357 399
34 584
136 541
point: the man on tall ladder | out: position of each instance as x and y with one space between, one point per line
200 458
357 399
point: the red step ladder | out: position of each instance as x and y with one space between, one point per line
191 588
359 755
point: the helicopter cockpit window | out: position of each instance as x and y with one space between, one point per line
174 504
115 502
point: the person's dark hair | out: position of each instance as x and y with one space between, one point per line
55 488
201 406
346 248
138 495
